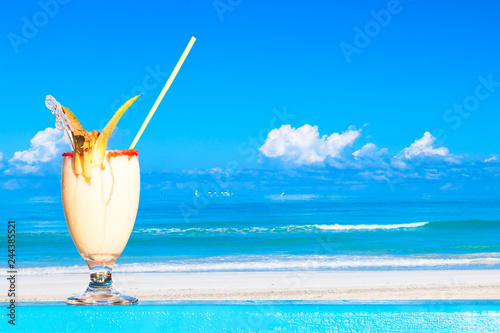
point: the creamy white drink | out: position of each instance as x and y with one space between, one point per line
100 211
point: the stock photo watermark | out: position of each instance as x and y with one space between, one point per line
455 115
223 6
11 272
31 26
363 36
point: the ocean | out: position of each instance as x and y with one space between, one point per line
184 233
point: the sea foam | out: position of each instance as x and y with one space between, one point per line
289 228
284 263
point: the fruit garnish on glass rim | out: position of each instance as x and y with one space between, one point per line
89 147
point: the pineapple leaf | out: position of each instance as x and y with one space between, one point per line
102 140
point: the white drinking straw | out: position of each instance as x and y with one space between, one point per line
164 90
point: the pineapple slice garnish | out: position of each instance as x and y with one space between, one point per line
90 147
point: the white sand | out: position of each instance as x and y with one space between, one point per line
340 285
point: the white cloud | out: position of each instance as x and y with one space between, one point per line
188 185
23 168
366 150
212 171
423 147
304 146
491 159
433 174
46 145
215 170
2 158
378 175
398 163
420 150
371 156
11 184
445 187
161 185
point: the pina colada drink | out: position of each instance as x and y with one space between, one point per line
100 195
100 213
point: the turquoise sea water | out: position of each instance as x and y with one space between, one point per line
270 232
454 316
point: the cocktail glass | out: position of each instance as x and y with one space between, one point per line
100 213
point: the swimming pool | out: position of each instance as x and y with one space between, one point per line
261 316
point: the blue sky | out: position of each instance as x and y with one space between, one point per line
417 66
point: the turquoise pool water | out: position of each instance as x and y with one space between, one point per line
303 316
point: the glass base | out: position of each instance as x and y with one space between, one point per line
101 294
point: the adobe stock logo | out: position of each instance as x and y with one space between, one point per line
223 6
372 29
455 115
30 27
471 103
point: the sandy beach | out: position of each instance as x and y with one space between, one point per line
296 285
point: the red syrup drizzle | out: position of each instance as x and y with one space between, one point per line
129 153
113 153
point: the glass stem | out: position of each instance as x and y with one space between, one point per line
100 276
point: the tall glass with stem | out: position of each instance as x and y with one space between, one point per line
100 195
